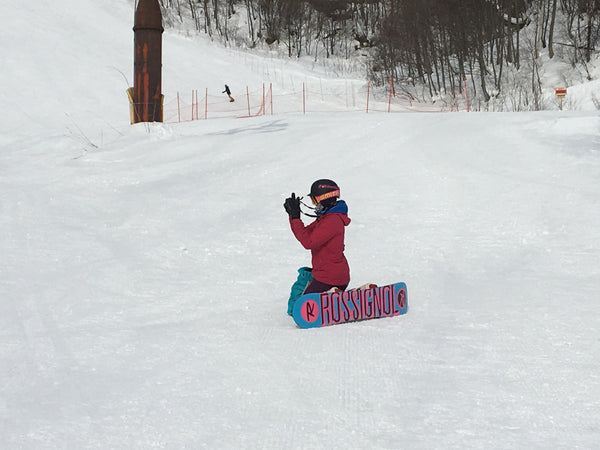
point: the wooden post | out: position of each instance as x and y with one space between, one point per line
192 104
303 99
248 98
390 96
466 92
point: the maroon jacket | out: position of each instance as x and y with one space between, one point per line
325 239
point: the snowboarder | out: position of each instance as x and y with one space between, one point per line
324 238
228 92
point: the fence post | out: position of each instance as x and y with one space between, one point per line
390 96
206 104
368 92
466 93
303 99
271 95
248 97
192 104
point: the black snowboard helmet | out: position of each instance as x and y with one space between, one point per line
324 192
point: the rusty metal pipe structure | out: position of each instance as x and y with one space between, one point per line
147 65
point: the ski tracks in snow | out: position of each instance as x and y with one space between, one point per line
41 362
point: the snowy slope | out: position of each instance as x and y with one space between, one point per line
145 269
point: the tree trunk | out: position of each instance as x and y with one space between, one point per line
551 30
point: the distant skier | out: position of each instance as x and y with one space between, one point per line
228 92
324 238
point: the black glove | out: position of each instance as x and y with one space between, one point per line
292 206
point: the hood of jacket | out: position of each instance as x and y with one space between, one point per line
339 208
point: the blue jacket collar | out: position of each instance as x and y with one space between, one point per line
340 207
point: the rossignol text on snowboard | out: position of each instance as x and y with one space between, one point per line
330 308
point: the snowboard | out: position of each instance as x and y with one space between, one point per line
367 302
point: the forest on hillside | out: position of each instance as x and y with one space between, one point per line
437 44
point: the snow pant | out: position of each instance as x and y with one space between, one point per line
298 288
306 284
317 286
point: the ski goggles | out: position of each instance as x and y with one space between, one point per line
316 199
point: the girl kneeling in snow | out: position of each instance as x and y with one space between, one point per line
324 238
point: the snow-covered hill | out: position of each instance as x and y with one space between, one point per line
145 269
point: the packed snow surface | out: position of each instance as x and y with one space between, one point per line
145 269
